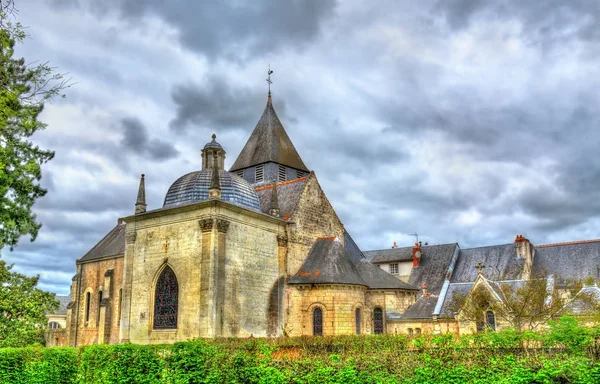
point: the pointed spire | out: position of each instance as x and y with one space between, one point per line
140 203
274 211
214 192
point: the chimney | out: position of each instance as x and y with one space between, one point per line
525 251
394 246
417 252
274 211
140 202
424 287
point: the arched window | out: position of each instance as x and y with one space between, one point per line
53 325
318 322
491 320
357 319
88 298
410 331
166 300
120 304
418 331
378 321
99 306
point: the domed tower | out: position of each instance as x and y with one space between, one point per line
203 185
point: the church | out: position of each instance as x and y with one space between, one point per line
254 251
259 251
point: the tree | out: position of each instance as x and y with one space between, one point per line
23 90
23 308
522 304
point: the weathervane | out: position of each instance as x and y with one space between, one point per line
416 235
269 78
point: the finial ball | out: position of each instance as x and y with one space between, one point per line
214 136
143 175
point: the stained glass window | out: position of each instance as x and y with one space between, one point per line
318 322
166 300
378 321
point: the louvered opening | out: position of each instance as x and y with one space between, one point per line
299 174
282 173
260 173
240 173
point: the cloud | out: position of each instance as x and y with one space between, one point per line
230 29
135 138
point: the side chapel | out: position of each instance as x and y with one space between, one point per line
254 251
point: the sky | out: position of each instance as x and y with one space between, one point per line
464 121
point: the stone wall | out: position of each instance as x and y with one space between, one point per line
225 259
338 303
102 324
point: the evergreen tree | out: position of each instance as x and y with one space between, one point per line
23 91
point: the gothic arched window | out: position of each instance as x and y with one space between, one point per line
491 320
378 321
166 300
318 322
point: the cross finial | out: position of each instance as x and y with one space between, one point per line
480 267
269 72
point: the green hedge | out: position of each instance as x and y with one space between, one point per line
563 355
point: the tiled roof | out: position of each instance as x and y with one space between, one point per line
352 248
500 263
454 288
389 255
432 267
194 187
568 261
586 301
377 278
63 300
421 309
327 263
113 244
269 142
288 194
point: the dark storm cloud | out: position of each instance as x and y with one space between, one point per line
543 21
136 139
215 103
231 29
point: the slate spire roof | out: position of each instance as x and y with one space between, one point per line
269 143
140 203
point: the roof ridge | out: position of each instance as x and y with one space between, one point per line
568 243
410 247
487 246
280 184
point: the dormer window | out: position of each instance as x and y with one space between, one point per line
394 268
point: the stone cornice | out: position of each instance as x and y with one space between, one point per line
202 204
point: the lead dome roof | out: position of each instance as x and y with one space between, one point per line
194 186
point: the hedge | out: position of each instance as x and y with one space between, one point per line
501 357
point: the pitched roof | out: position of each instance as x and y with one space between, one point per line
585 301
113 244
433 267
500 263
62 307
421 309
568 261
269 143
377 278
454 288
327 263
352 248
288 194
389 255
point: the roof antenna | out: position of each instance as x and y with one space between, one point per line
269 72
416 235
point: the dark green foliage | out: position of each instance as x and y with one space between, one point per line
494 358
23 90
23 308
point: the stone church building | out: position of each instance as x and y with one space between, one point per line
254 251
259 251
